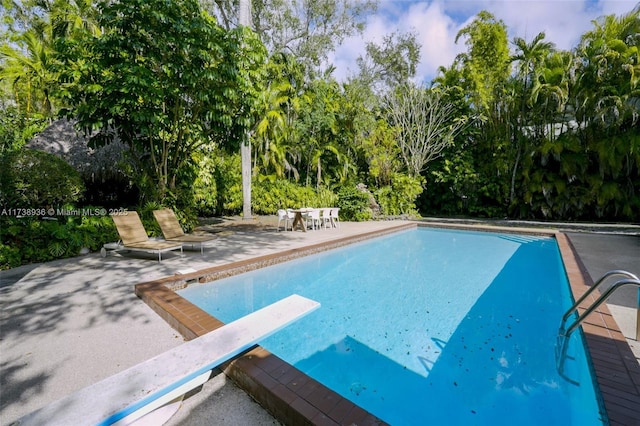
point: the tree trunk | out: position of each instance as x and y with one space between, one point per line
245 154
244 18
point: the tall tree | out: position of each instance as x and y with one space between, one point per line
308 29
28 48
424 123
485 69
275 127
529 57
390 64
168 79
318 126
28 67
486 63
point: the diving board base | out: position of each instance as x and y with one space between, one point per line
165 376
175 396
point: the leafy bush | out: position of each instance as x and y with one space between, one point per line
17 129
26 240
205 188
268 197
399 198
354 204
35 179
217 189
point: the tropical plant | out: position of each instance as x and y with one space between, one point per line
31 179
354 204
399 198
165 103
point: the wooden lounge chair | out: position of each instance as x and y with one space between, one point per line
133 236
173 232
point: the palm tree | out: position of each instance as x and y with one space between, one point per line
275 130
551 85
529 56
29 69
610 72
29 64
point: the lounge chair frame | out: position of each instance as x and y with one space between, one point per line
173 232
133 236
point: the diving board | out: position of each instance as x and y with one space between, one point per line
141 388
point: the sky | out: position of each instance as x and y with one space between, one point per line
437 22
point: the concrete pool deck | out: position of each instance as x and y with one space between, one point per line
70 323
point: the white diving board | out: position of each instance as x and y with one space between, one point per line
138 390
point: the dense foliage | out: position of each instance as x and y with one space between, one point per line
167 78
34 239
34 180
510 129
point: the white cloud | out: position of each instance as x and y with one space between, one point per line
437 23
436 32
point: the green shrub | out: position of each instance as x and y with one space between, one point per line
35 179
326 198
399 198
148 220
17 129
354 204
267 196
205 188
217 189
9 257
32 239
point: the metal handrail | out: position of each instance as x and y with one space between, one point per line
573 308
563 334
598 302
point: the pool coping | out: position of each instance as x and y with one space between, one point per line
294 398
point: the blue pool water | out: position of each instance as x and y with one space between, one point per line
428 326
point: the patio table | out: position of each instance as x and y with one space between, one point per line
299 219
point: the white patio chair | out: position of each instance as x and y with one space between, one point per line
325 217
335 220
284 215
313 218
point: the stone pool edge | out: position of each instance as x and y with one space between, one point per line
616 368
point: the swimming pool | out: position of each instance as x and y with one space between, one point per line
428 326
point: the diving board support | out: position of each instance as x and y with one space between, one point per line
138 390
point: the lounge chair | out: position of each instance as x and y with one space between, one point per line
133 236
172 231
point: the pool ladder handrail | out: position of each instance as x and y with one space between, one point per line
565 333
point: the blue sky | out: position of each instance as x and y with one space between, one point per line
436 23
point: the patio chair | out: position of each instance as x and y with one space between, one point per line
313 218
335 220
325 217
286 216
133 236
172 231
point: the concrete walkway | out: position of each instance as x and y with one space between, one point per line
67 324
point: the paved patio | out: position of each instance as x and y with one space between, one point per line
70 323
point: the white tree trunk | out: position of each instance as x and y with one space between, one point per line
244 18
